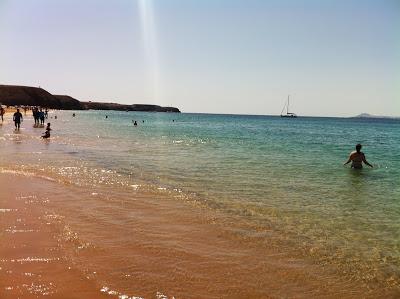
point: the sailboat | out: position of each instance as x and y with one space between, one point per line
288 114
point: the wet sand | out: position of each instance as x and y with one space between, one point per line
32 264
61 241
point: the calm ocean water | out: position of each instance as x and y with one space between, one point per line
283 177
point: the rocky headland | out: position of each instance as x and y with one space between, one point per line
13 95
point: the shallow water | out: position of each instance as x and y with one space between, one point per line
266 183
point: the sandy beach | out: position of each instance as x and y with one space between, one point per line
32 263
42 255
9 110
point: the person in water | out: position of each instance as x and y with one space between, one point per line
41 116
357 158
2 111
35 113
17 118
47 133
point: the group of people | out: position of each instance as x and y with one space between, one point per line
38 116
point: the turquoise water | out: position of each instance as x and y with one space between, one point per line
284 177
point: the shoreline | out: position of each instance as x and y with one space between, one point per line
42 246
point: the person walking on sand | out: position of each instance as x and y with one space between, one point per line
17 118
357 158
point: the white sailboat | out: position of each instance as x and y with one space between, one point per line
288 114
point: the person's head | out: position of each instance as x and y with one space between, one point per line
17 110
358 148
48 124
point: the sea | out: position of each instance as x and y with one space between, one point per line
188 205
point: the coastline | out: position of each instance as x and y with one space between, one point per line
14 95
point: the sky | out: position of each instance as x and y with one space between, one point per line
334 57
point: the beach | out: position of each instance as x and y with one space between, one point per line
171 209
42 255
32 262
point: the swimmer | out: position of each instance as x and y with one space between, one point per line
357 158
135 123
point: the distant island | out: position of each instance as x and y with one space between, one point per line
366 115
13 95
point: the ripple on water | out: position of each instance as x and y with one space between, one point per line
7 210
111 292
44 289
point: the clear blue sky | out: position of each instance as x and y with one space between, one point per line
339 57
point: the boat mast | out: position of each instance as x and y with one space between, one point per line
287 110
283 109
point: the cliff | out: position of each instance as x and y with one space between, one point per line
12 95
68 103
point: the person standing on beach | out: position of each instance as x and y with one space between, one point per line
357 158
35 112
41 116
17 118
2 111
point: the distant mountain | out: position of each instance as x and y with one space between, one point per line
12 95
366 115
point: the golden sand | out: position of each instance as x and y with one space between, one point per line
59 242
32 265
